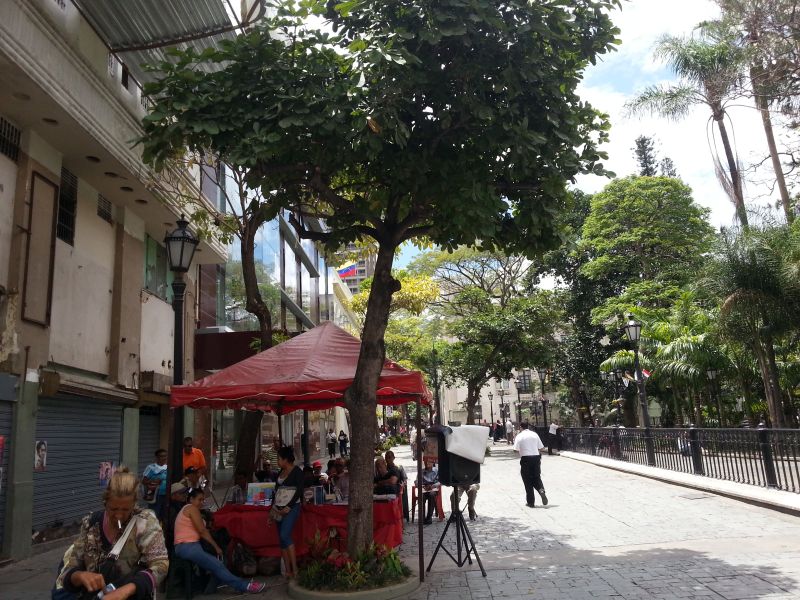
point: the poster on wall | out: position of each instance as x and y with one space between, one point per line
2 448
1 480
107 469
40 458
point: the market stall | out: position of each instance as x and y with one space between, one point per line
250 525
312 371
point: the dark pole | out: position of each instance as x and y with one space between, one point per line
306 458
436 388
178 291
648 434
420 513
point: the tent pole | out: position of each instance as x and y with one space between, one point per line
280 428
420 511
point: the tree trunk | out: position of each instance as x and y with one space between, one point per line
763 108
733 168
473 388
246 451
775 398
361 401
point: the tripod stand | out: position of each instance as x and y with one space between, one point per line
463 539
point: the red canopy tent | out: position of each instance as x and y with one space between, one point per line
309 372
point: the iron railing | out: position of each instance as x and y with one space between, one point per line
763 457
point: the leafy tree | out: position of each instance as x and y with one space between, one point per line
491 339
667 168
410 120
648 233
758 303
709 74
416 293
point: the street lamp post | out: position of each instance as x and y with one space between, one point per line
181 245
633 329
491 415
712 373
436 398
542 372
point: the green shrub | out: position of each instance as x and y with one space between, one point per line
330 569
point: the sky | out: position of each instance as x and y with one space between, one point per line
688 142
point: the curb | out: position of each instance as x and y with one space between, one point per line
385 593
781 501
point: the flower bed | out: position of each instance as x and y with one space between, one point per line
329 569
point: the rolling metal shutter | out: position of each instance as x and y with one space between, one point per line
6 415
149 427
80 434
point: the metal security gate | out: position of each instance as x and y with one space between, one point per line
149 435
80 434
6 415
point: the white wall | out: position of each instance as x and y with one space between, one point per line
82 290
158 330
8 183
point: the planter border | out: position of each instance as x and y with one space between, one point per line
385 593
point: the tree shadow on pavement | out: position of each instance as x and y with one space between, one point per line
525 562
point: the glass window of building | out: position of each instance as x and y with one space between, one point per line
157 276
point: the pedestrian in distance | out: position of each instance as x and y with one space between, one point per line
528 444
554 440
331 443
509 431
343 441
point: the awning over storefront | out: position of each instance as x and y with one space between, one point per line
311 371
140 31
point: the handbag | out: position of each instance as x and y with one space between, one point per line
109 568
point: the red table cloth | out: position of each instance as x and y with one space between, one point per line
251 525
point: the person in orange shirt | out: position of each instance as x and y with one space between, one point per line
193 457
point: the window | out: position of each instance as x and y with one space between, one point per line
104 209
126 78
9 140
67 206
157 276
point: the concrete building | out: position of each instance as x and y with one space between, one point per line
86 324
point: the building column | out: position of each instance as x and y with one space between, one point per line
19 492
130 439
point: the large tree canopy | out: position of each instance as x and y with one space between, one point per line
457 120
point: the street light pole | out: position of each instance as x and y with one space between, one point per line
491 416
181 245
542 376
712 373
634 329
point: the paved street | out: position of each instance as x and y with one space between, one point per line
605 534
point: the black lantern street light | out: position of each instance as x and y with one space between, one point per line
181 245
523 387
712 373
633 329
542 372
501 392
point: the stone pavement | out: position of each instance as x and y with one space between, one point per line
605 534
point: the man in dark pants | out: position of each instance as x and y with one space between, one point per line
528 444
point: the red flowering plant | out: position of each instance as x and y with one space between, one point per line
328 568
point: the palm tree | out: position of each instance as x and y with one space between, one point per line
709 73
758 302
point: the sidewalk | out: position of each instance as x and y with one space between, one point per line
604 534
771 498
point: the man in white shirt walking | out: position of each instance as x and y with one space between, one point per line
528 444
509 431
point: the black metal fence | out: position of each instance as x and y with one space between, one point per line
764 457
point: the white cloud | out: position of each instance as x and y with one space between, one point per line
688 142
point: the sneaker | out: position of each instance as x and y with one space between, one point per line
544 498
529 505
255 587
428 520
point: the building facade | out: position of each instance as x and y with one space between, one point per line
86 324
